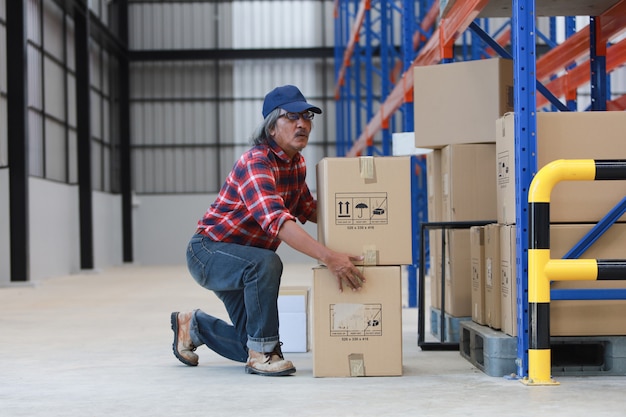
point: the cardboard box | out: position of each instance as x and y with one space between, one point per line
458 279
434 240
611 245
364 208
468 182
565 135
459 102
493 282
435 212
293 316
570 317
477 253
588 317
433 186
358 333
508 278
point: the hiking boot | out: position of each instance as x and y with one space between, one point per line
269 364
183 346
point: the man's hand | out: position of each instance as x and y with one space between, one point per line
342 267
340 264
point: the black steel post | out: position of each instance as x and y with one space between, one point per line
17 128
125 148
83 130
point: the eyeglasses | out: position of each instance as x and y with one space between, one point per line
306 115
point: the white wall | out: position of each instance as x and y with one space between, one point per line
54 231
164 224
107 230
162 228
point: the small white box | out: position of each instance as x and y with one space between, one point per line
293 305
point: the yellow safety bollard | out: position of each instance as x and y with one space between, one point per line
541 269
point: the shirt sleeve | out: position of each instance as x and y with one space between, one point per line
260 195
307 205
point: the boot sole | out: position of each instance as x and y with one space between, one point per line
174 321
284 372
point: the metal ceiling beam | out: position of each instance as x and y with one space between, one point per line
225 54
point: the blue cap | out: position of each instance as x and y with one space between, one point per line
287 97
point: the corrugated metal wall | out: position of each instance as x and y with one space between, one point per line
179 25
52 96
192 119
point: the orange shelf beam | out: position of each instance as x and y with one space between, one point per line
457 21
619 104
581 74
428 22
577 45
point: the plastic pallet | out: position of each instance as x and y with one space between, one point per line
452 326
588 355
495 353
491 351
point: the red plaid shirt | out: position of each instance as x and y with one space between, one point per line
264 189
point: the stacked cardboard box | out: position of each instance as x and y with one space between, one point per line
575 207
364 208
358 333
488 254
462 189
493 277
459 102
567 135
569 317
477 252
456 106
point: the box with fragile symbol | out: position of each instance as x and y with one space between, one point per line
364 208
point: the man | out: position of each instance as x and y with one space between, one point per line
233 252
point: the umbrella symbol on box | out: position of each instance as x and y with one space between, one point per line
361 206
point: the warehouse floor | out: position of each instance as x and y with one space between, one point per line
99 344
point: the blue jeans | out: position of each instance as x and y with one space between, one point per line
247 280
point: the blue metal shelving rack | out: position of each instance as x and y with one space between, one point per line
363 113
366 30
371 51
524 58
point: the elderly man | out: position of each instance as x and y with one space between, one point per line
233 252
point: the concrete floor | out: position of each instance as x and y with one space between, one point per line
99 344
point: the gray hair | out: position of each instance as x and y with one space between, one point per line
262 133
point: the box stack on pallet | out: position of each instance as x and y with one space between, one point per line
364 208
484 262
575 208
454 106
